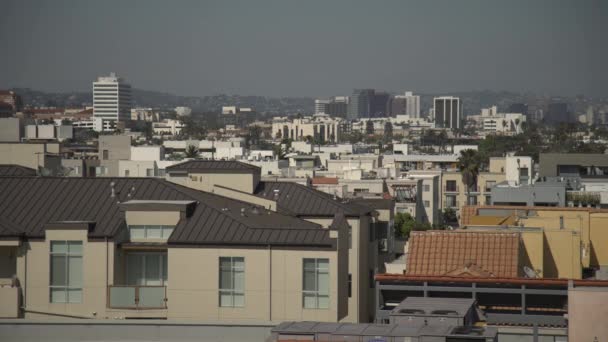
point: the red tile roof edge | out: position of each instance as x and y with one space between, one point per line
519 281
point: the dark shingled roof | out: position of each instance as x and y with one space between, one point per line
213 166
8 229
301 200
7 170
375 203
33 202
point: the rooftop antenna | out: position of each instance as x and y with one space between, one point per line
113 193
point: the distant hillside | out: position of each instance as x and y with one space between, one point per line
154 99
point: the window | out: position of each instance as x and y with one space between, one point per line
488 200
450 201
350 285
66 272
105 155
147 269
489 185
316 284
127 172
427 188
150 232
100 170
427 204
472 200
232 281
149 172
450 185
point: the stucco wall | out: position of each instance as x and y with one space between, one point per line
96 276
193 290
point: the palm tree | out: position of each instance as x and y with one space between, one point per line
191 151
469 165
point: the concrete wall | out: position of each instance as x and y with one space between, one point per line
587 319
11 129
118 147
130 330
206 181
28 155
147 153
132 168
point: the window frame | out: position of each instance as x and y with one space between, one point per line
68 255
162 229
316 293
232 291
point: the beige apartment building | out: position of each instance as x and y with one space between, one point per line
115 248
242 182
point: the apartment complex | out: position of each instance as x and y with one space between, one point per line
243 182
148 248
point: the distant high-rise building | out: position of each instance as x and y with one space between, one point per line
407 104
360 104
337 107
111 98
521 108
448 112
321 106
380 105
558 113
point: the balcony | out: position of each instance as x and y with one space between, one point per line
10 299
137 297
473 189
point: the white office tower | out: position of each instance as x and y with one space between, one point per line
321 106
413 105
111 98
448 112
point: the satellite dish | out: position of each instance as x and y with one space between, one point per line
530 273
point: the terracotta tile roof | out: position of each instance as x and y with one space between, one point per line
464 254
324 180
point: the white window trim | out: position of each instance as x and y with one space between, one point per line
67 255
317 293
231 291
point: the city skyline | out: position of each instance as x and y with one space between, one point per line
321 49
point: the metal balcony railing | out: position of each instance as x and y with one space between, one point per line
137 297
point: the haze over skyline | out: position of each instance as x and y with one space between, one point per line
307 48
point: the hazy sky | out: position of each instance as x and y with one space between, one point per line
308 48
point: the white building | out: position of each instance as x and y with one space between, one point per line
409 105
112 98
319 126
447 112
168 127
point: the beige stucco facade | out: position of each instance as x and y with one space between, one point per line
273 288
460 192
273 285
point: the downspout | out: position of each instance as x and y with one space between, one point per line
269 283
107 265
25 279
